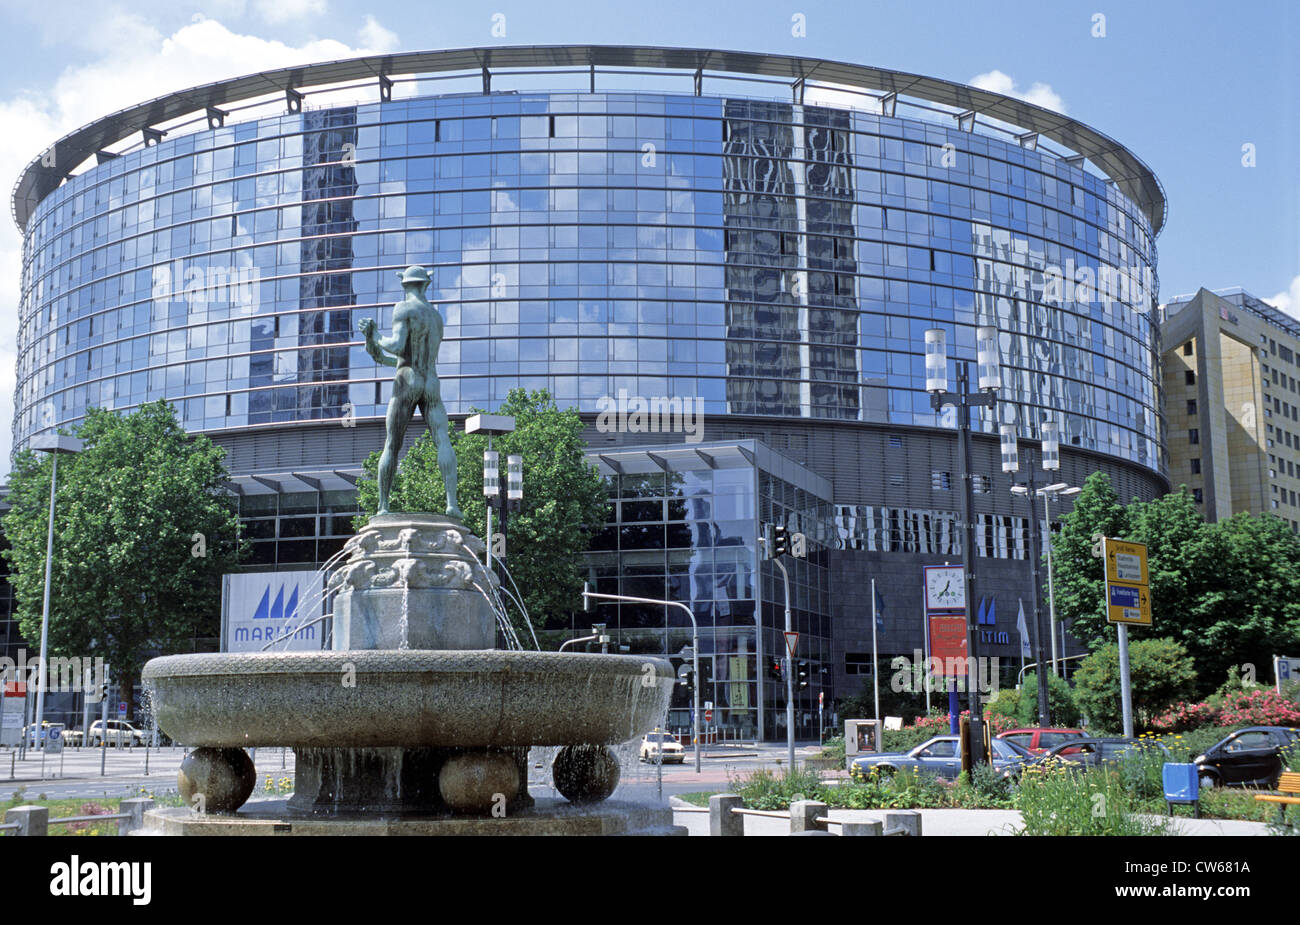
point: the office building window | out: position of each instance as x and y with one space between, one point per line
1191 406
1187 349
857 663
1194 436
1198 495
1196 466
1190 377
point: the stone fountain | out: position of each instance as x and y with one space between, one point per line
413 723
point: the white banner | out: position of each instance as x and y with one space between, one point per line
259 607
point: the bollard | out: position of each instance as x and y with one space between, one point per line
137 807
722 821
905 823
862 828
34 820
12 757
803 816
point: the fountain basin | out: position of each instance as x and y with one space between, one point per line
408 698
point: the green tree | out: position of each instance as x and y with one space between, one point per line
144 529
1021 704
1221 590
1078 576
1160 672
563 497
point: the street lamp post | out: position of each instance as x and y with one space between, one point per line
55 445
1048 493
989 381
493 425
1011 464
695 653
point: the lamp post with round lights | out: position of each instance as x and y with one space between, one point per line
988 382
1028 489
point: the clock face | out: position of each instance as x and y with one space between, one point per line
944 588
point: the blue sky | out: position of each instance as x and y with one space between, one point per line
1183 85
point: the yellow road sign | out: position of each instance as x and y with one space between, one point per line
1126 562
1127 602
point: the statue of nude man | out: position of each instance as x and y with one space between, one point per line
417 334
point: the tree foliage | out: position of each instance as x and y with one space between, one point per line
1021 704
563 496
1223 590
1160 671
144 529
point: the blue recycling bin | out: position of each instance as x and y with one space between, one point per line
1181 787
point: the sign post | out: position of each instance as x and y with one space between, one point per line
1128 601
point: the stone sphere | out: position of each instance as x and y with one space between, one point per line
479 782
225 778
585 773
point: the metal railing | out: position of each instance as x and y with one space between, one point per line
31 820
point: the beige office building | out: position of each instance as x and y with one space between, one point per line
1231 367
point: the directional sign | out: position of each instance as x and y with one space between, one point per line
1128 603
791 641
1126 562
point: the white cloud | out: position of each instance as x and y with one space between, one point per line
277 12
375 36
1289 300
123 60
1040 94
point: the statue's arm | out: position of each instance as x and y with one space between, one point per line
397 343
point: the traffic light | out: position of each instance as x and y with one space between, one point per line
801 676
774 669
780 541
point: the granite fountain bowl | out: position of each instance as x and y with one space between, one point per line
408 698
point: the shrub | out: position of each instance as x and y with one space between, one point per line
1160 671
1058 799
1257 707
764 789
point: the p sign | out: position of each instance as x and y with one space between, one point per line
121 708
1288 669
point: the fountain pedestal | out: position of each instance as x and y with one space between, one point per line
413 581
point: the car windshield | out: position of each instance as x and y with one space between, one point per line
1008 749
660 737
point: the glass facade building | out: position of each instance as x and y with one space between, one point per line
777 259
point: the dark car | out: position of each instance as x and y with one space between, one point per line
1247 756
941 756
1098 751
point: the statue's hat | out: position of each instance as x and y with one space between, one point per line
414 275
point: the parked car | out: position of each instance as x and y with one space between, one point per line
1098 751
1247 756
72 737
941 756
662 747
119 732
30 732
1041 739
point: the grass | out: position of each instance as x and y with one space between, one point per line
697 799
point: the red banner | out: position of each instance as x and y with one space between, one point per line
948 645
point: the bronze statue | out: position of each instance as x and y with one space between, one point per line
417 334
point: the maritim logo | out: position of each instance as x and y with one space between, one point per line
658 414
76 877
276 614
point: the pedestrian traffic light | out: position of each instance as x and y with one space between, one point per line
774 669
780 541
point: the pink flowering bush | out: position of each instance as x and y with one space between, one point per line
1258 707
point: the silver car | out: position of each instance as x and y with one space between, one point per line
941 756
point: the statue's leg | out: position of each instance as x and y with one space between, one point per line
435 415
400 409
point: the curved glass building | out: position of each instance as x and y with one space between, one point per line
765 238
